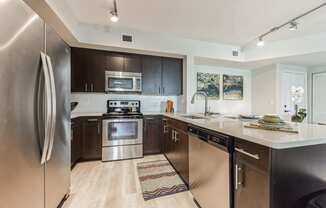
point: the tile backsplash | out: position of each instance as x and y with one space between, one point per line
96 102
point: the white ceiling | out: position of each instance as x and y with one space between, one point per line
224 21
312 60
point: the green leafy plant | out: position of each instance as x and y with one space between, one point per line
300 115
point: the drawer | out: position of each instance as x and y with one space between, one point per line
122 152
254 154
179 125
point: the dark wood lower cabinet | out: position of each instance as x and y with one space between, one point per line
76 141
176 147
86 142
152 135
252 190
92 139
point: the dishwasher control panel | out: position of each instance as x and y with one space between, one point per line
214 138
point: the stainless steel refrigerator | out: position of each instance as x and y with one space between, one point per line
34 110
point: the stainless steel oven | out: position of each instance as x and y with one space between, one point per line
123 81
122 131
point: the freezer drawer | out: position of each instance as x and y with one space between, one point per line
122 152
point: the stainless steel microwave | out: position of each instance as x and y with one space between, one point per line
123 81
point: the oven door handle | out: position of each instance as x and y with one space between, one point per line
121 120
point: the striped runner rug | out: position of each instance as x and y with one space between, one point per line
158 178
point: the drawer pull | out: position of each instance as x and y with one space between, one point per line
255 156
92 120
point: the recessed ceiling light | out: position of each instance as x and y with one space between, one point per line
260 42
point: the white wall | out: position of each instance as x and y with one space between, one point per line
311 71
270 88
221 106
96 102
264 90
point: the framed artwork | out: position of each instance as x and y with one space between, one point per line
209 83
232 87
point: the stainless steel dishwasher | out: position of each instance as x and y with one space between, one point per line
210 168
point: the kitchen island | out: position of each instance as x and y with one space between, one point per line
270 169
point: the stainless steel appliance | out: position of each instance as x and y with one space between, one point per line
123 81
34 110
122 136
210 162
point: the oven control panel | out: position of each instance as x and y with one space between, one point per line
123 104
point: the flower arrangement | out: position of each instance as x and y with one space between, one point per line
297 98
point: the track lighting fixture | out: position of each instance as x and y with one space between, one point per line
293 26
114 13
260 42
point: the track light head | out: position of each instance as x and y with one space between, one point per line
114 13
293 26
114 17
260 42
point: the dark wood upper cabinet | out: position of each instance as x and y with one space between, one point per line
152 75
132 63
96 71
152 135
172 76
78 70
114 62
160 75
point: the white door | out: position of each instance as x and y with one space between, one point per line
291 79
319 98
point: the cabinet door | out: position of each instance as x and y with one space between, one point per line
182 160
78 70
251 185
169 144
96 71
152 75
152 135
172 76
114 62
76 141
92 139
132 63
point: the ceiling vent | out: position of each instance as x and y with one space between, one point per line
235 53
127 38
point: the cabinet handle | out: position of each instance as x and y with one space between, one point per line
98 129
86 87
176 137
159 90
92 87
165 129
237 183
255 156
163 90
92 120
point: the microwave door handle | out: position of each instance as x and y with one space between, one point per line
53 108
47 106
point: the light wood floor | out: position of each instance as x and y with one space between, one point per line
116 185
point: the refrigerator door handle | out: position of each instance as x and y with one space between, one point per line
47 108
53 108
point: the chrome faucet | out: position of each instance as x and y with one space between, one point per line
202 93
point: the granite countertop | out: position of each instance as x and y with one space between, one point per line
309 134
85 114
